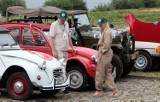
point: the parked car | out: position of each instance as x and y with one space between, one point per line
18 67
123 45
81 66
146 41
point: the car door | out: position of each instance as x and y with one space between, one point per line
32 39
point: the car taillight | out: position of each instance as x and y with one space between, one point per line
42 55
158 49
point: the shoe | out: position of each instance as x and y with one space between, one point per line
98 94
113 93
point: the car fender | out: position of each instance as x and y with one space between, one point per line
87 63
146 46
37 76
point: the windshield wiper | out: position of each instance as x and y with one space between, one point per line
13 44
4 45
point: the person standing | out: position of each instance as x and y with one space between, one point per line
60 38
105 54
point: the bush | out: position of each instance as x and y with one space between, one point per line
101 7
4 4
67 4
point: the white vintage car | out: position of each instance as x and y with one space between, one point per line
22 71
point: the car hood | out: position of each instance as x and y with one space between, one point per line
83 51
32 56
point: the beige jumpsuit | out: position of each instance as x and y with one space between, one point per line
105 55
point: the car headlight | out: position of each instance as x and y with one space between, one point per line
131 44
63 62
43 66
59 80
94 58
121 37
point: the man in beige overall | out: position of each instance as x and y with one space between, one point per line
60 38
105 54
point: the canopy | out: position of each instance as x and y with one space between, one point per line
42 11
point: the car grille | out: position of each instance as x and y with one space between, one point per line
57 72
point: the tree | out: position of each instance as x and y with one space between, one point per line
67 4
101 7
4 4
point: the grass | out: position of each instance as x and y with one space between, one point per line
155 74
116 17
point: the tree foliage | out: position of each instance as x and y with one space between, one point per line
4 4
101 7
128 4
67 4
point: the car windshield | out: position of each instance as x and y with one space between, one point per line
6 39
82 19
46 33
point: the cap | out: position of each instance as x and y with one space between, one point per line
101 21
63 15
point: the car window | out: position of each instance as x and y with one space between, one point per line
6 39
38 38
33 38
27 37
82 19
15 33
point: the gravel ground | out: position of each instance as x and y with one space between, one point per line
131 89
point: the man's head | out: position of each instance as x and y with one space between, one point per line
102 22
63 16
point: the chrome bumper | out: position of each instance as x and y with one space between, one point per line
52 86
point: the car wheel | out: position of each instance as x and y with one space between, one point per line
49 93
143 62
19 86
79 78
128 68
117 67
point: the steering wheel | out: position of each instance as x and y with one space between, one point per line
28 42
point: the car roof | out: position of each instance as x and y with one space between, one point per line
3 30
44 27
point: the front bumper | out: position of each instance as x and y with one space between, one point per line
53 86
156 58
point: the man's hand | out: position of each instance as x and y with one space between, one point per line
73 51
54 54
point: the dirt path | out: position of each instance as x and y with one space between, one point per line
132 89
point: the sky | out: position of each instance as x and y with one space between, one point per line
90 3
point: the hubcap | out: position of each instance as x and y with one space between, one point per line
76 79
18 87
141 62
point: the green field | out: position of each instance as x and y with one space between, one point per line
116 17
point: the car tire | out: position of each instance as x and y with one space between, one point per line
49 93
24 87
128 68
117 67
143 62
79 78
